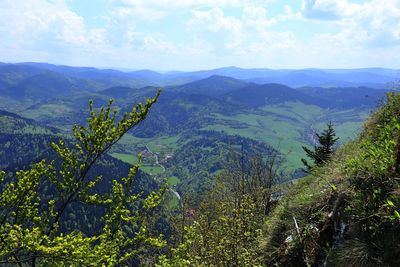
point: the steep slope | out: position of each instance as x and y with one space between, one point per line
348 211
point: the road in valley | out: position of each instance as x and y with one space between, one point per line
155 155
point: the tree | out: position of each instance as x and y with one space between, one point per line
228 224
324 151
34 202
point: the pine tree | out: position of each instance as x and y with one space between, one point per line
322 152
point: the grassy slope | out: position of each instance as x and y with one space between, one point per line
310 202
358 188
286 126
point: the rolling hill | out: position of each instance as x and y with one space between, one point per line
205 110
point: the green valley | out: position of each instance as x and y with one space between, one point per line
273 114
225 155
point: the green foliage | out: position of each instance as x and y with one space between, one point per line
181 255
374 176
324 151
224 233
41 207
283 125
346 210
200 158
32 219
226 228
316 202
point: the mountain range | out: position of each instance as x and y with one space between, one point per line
207 111
373 77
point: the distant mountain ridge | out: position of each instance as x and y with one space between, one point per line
214 85
371 77
255 95
192 110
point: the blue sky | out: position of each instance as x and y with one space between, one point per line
202 34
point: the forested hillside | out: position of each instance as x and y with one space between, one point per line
345 213
199 133
276 115
206 172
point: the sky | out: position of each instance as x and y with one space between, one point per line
202 34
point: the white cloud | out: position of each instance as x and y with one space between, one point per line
256 16
138 11
174 4
28 22
136 33
372 24
214 25
328 9
159 9
214 20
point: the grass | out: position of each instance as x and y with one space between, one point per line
157 145
284 135
172 201
286 126
310 200
128 158
296 110
129 139
163 144
152 170
173 181
48 110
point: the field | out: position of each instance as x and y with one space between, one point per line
128 158
289 126
152 170
173 181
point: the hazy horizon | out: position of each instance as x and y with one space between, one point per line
193 70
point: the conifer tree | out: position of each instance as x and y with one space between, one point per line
322 152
